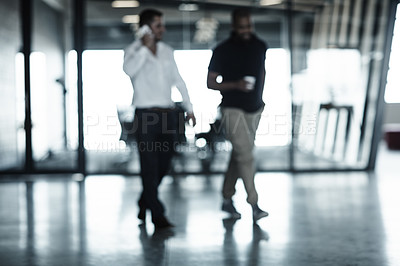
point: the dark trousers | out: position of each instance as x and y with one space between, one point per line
156 133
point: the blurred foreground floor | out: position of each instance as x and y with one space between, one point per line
315 219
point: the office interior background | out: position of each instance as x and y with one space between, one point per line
67 103
331 92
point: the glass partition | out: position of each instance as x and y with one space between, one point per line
192 30
12 135
53 87
324 67
325 74
337 61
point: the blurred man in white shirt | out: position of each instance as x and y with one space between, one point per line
152 68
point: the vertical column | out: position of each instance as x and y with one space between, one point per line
290 16
387 44
367 35
26 15
79 47
355 24
316 30
375 86
344 23
323 35
367 49
335 22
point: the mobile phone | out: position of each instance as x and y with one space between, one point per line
145 29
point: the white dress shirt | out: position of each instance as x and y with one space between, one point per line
153 76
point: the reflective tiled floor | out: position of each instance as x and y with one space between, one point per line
315 219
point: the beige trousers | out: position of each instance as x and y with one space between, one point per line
240 129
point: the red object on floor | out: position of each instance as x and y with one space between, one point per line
392 136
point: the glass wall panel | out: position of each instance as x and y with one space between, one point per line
12 135
337 57
323 84
192 30
323 79
53 96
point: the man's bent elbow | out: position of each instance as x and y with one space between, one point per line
211 86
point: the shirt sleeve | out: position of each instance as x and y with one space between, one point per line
181 85
266 47
134 58
215 62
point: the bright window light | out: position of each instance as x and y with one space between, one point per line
205 102
275 123
39 96
72 96
108 92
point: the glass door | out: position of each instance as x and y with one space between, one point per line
53 87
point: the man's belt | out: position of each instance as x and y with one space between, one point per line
158 109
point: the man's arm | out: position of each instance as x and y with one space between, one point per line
225 85
181 86
137 53
263 78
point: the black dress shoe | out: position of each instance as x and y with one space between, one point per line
162 234
162 223
258 213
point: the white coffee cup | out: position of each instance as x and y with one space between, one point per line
251 82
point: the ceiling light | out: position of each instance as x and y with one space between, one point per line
188 7
130 19
125 3
270 2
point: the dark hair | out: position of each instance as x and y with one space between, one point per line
239 13
147 16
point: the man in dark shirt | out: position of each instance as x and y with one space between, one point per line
237 70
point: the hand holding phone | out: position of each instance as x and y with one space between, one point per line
145 34
142 31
